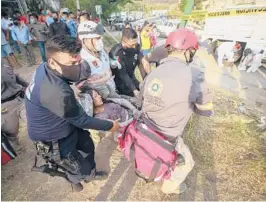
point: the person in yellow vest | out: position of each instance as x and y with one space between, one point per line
145 39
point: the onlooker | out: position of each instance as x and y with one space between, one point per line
153 37
71 25
12 93
39 32
84 16
21 17
128 25
145 39
6 52
57 27
49 17
28 16
78 13
21 34
42 16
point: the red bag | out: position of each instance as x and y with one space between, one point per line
7 152
153 155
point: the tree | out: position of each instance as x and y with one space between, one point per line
198 4
182 5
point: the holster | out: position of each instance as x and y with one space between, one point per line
49 151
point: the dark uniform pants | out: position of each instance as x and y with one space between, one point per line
77 153
10 111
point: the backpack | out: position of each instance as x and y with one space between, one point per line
153 155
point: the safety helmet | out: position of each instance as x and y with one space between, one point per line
182 39
90 30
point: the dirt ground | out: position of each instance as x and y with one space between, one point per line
229 150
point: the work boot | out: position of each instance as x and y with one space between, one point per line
77 187
170 188
99 175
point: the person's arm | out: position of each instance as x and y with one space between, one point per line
14 36
66 106
203 103
45 29
51 30
123 102
127 80
144 64
29 33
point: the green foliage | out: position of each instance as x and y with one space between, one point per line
198 4
35 5
90 6
182 5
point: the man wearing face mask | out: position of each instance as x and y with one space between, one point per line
55 117
170 94
90 34
129 56
40 32
58 27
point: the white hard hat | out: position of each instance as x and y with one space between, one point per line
89 30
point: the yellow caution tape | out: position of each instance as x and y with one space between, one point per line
203 14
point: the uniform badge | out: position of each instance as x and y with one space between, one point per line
155 87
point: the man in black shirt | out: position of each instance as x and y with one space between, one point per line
58 27
55 116
128 54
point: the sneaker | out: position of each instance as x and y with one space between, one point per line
99 175
167 188
77 187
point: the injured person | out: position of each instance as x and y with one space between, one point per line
108 108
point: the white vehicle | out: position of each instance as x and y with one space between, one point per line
245 25
166 27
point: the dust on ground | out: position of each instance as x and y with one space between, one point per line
229 150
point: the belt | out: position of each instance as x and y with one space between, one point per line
12 97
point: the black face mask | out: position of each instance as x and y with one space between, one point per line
16 23
130 51
55 19
71 73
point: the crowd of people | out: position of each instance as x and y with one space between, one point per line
24 30
56 118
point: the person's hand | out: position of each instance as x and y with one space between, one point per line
29 42
115 126
35 38
115 64
19 43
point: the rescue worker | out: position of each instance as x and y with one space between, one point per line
171 93
129 55
12 94
56 119
90 35
228 50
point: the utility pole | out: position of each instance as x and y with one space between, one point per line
78 6
188 8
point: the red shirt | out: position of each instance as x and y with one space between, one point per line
42 18
23 19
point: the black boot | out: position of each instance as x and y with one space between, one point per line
99 175
77 187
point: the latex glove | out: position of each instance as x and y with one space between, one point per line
115 64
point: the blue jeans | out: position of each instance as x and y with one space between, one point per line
42 50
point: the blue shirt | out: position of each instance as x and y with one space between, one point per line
3 38
21 34
52 110
49 20
72 26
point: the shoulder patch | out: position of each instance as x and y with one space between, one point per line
155 87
